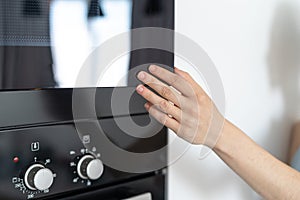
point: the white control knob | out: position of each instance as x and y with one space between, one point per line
90 167
37 177
43 179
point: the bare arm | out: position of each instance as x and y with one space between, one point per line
268 176
190 116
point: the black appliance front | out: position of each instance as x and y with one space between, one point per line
42 155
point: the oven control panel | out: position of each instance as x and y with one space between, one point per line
52 160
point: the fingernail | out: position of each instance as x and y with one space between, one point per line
141 75
146 106
140 88
152 68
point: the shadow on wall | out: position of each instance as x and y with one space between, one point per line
283 61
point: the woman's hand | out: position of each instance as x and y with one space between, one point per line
194 117
182 106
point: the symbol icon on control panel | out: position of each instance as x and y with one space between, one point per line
86 139
88 183
84 151
48 161
35 146
75 180
46 191
14 180
72 164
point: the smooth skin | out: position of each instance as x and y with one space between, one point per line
184 107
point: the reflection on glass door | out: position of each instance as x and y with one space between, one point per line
74 36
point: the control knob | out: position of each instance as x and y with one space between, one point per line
38 177
90 167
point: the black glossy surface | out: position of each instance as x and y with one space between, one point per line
56 142
47 115
153 184
28 55
32 107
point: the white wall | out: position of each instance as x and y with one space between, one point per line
255 47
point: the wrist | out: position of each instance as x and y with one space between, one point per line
226 136
216 130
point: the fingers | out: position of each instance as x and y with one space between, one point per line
162 117
172 79
187 77
161 88
161 104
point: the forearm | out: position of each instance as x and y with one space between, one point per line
192 109
264 173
